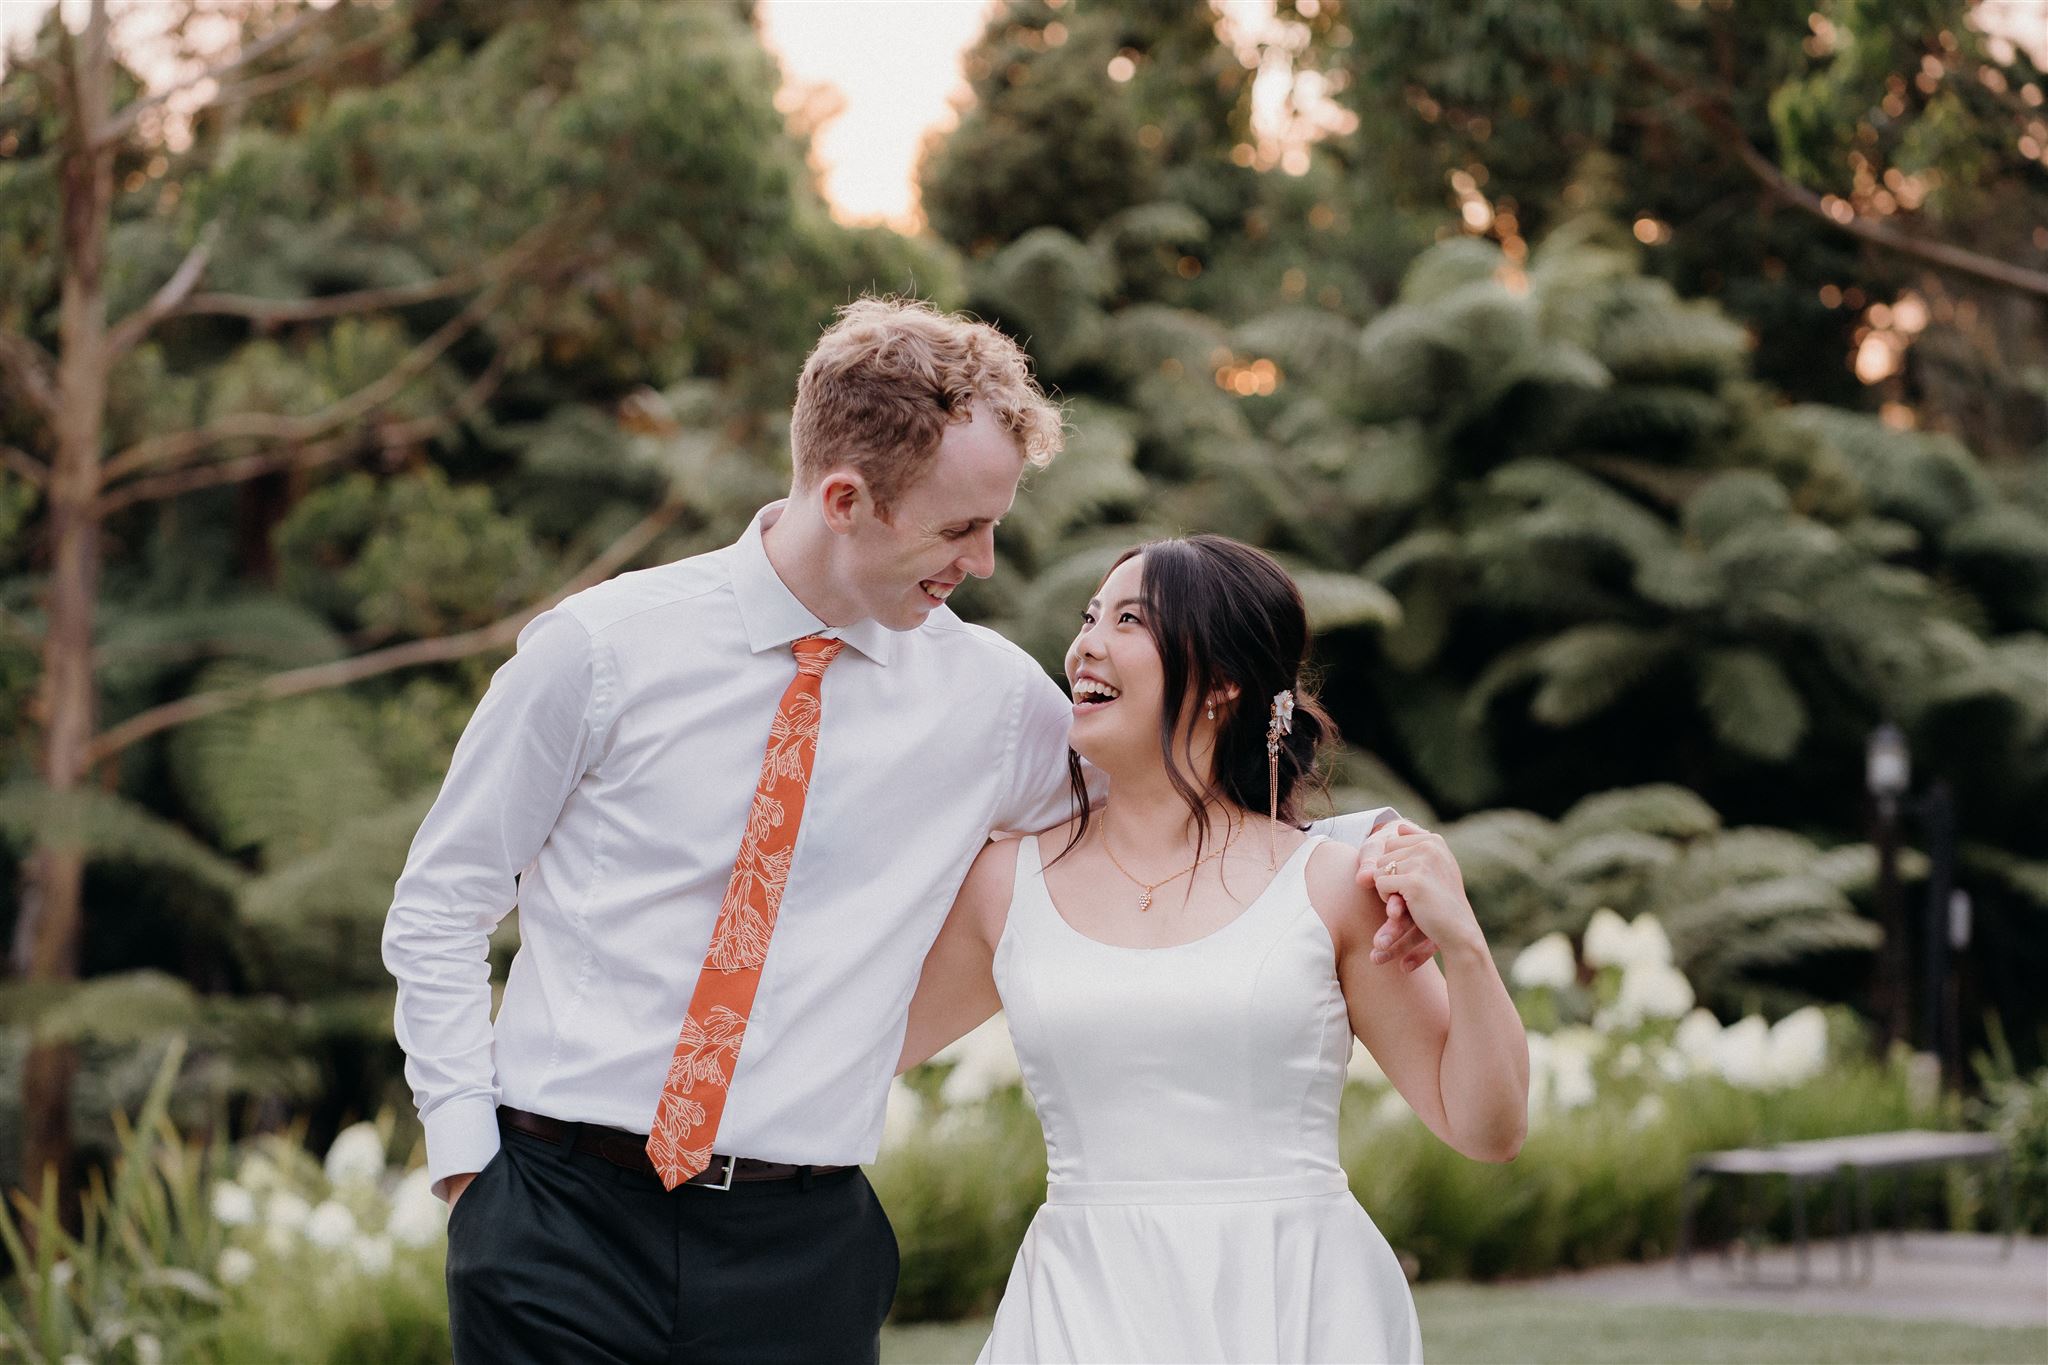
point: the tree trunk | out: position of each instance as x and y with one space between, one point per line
46 936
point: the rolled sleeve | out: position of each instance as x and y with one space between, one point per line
525 749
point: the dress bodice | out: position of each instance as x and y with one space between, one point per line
1218 1059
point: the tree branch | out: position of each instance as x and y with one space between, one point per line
179 447
131 329
32 369
243 91
25 464
275 312
160 486
124 121
1942 254
321 677
1716 110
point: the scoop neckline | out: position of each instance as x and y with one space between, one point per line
1272 884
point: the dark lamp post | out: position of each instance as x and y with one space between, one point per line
1888 772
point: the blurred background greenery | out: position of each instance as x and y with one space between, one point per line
1651 397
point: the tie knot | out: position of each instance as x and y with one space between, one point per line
813 652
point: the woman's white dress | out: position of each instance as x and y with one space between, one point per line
1195 1210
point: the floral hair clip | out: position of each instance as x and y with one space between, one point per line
1282 723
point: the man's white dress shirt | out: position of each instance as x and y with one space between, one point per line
603 784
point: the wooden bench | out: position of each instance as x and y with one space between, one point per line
1846 1164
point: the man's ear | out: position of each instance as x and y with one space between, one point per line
843 498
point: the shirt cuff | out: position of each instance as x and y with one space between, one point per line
462 1137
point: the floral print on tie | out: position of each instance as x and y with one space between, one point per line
700 1072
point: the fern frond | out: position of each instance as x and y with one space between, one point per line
1663 809
111 829
1752 705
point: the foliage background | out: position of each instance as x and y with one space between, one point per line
1524 363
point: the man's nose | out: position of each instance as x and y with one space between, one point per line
980 560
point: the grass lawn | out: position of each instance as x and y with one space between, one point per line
1467 1323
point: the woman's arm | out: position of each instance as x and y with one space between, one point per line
957 988
1449 1039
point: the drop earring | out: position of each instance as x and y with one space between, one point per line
1212 710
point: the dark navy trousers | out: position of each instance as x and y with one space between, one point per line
556 1255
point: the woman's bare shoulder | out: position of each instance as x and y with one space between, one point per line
1348 908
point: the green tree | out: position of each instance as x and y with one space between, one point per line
1811 165
426 315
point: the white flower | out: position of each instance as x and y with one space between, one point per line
260 1175
233 1206
1363 1066
1571 1080
1698 1038
1649 1110
373 1254
1798 1047
1561 1069
1389 1108
357 1156
1743 1055
1673 1065
287 1210
1608 941
418 1216
236 1266
1629 1060
1649 943
331 1225
1653 990
1546 962
903 1116
62 1273
149 1349
1613 942
1579 1040
984 1061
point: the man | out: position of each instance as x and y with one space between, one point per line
654 1155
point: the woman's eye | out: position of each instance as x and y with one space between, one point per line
1127 616
1087 618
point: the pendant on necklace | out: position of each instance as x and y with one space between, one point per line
1144 902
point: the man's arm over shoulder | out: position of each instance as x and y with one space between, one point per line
524 750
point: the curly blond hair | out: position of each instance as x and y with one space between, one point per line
886 380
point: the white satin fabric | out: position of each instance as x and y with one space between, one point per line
1195 1209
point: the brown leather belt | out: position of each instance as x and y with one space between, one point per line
629 1151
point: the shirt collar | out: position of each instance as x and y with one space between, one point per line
770 613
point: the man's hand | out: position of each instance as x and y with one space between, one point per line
456 1185
1400 938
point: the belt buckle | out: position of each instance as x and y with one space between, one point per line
731 1165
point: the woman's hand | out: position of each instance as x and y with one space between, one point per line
1413 871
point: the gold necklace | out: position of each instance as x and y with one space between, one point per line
1145 898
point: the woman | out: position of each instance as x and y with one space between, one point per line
1183 972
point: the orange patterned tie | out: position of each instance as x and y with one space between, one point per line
700 1073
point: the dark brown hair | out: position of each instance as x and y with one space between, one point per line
1224 614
